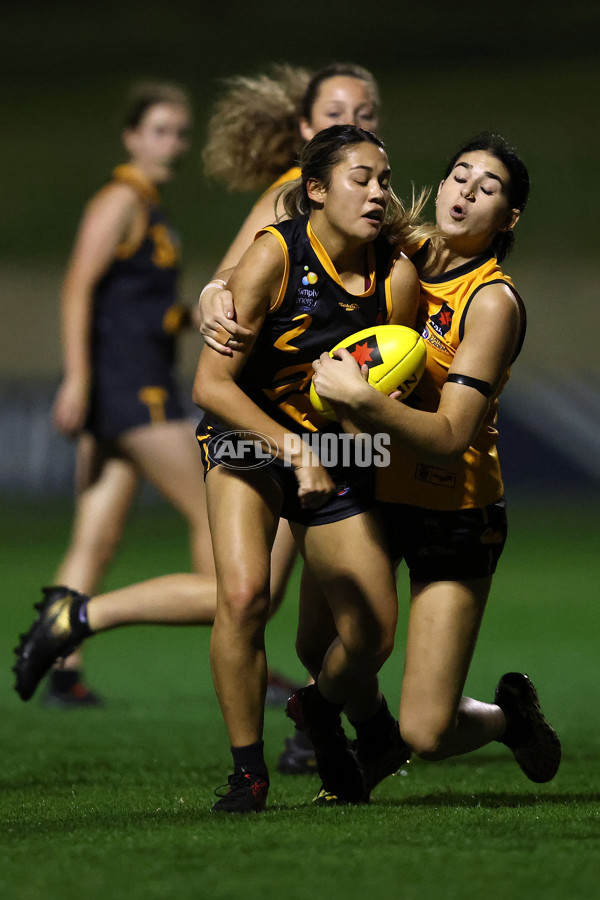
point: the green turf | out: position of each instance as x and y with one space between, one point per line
114 803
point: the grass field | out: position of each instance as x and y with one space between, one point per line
114 802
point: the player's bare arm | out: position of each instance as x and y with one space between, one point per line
217 316
404 288
267 209
107 222
491 334
256 283
219 325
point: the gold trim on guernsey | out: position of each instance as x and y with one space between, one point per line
325 261
292 174
154 398
130 174
286 274
147 192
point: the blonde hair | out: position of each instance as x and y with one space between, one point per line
253 133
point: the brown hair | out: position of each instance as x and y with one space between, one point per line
402 226
337 70
145 94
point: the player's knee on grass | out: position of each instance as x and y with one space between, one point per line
428 736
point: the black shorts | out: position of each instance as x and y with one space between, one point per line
355 487
114 410
446 546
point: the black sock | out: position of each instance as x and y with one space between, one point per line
324 710
64 679
375 731
250 757
78 616
518 730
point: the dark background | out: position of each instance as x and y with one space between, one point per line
447 71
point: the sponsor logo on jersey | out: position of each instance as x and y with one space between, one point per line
310 277
431 339
349 307
308 296
442 320
307 299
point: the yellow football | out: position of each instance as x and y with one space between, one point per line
395 355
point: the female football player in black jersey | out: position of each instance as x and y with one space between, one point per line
118 397
308 282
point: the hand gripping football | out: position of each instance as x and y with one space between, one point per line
395 355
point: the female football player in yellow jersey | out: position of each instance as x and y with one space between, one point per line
118 396
443 492
255 136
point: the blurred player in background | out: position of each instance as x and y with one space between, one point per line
118 397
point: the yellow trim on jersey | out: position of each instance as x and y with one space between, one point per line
130 174
388 287
286 273
291 175
147 193
139 229
204 449
325 261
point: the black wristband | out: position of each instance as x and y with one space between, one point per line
483 387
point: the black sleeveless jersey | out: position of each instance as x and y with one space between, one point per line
312 314
131 339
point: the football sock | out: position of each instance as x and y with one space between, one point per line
63 679
324 710
78 618
518 730
375 731
251 757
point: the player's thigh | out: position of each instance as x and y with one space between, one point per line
444 622
167 455
105 485
349 560
243 511
316 625
283 557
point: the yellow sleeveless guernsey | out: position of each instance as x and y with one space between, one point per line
291 175
475 479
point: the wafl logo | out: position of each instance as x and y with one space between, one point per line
442 321
366 353
308 296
